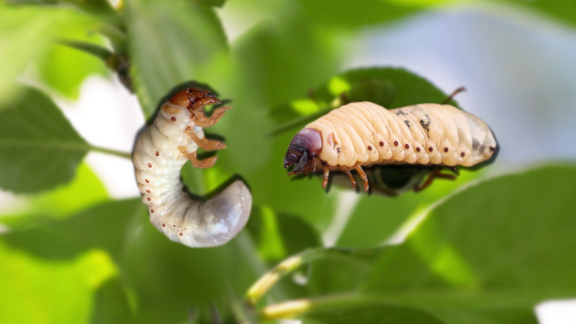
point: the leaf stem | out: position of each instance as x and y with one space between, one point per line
111 152
96 50
261 287
115 35
295 308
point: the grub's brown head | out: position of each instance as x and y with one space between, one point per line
305 146
194 98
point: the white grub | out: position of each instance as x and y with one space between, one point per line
159 155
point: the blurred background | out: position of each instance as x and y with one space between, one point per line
75 242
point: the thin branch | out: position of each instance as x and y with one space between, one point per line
296 308
116 36
125 155
96 50
70 146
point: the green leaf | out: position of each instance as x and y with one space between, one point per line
35 290
100 227
338 275
83 191
39 149
376 218
205 182
75 256
408 87
376 90
171 43
111 304
63 68
372 314
22 42
278 236
493 247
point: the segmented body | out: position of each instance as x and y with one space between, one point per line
159 155
363 133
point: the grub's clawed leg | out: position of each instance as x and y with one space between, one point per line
204 102
362 174
347 171
206 144
291 173
205 122
200 164
445 176
431 177
326 174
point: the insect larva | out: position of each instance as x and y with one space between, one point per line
161 152
362 134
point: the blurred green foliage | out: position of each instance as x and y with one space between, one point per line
518 262
180 41
83 191
27 34
485 251
39 148
372 313
79 65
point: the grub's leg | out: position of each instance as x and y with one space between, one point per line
347 171
326 174
457 91
216 115
431 177
428 181
362 174
445 176
199 104
200 164
206 144
291 173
